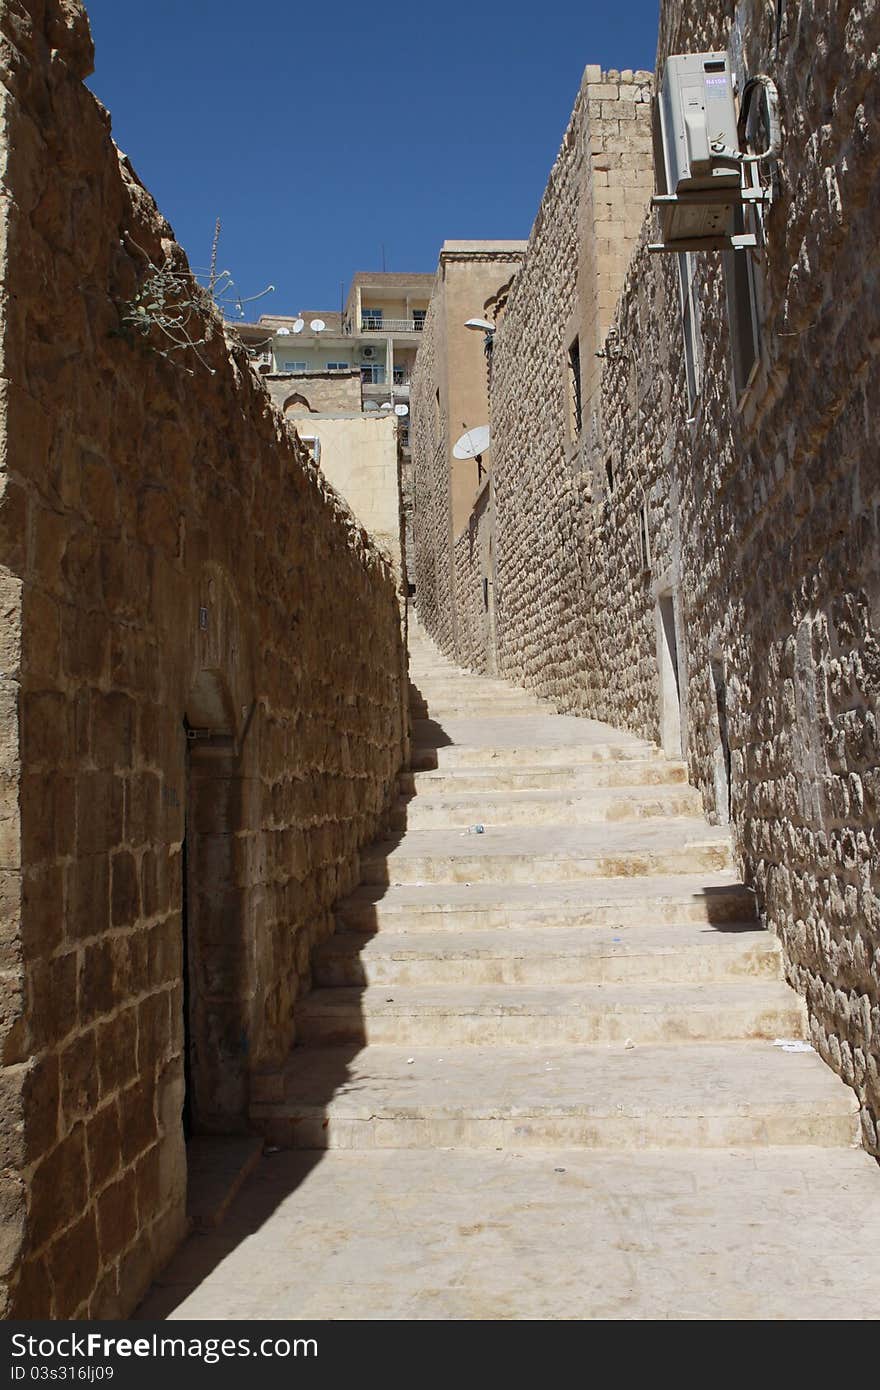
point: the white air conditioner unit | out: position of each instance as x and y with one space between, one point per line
699 165
368 352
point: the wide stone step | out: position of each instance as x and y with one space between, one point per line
614 902
427 812
475 707
548 854
791 1233
453 689
545 957
629 772
483 1015
446 756
543 738
706 1095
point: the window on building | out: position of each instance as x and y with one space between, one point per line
574 388
690 327
313 446
337 366
372 318
373 376
294 367
742 308
419 319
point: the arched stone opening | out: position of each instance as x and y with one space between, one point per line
217 894
297 405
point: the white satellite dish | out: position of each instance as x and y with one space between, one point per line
317 325
386 405
482 324
284 332
371 405
299 325
401 410
472 443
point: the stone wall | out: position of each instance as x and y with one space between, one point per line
449 395
329 393
589 218
475 586
202 707
359 455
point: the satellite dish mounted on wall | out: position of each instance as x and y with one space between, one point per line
386 405
317 325
401 410
284 332
472 444
299 325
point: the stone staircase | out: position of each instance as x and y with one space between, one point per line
553 952
536 1078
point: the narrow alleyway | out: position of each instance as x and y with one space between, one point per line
537 1077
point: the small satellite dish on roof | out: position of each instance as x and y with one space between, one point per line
299 325
483 325
386 405
317 325
284 332
371 405
401 410
472 444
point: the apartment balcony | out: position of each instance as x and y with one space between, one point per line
380 389
383 325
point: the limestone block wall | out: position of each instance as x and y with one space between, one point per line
360 457
632 528
589 219
763 522
201 702
475 587
329 393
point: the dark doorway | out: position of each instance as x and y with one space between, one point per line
187 1112
667 660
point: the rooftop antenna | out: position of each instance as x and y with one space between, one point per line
383 258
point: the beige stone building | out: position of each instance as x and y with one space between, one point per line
683 487
203 703
450 398
357 359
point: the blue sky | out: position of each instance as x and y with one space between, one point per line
319 133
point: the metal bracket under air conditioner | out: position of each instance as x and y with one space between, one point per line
749 195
